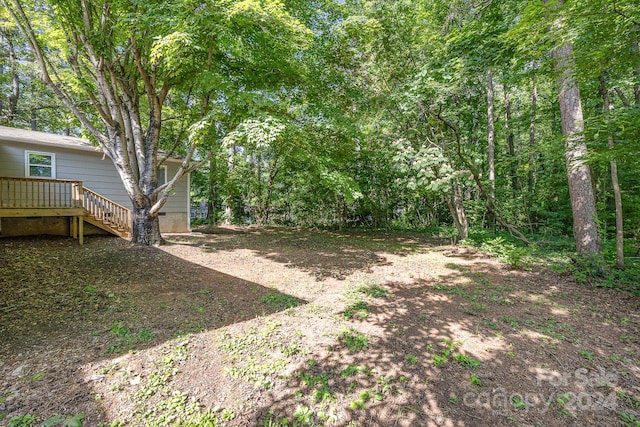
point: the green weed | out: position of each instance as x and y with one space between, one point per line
352 370
359 309
629 420
69 421
443 356
279 302
518 402
467 361
354 340
586 354
475 380
26 420
126 339
374 291
411 359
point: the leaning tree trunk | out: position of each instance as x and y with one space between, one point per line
583 204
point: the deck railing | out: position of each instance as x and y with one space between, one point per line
40 193
54 197
108 211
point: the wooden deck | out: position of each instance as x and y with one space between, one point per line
35 197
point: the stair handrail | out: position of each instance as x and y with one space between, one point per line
106 210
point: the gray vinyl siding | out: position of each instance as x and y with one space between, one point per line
12 160
96 171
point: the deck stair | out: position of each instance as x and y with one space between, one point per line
106 214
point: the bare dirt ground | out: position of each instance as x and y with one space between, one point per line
275 327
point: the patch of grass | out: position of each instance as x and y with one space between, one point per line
352 370
278 302
467 361
562 400
518 402
125 339
439 360
303 415
364 397
443 356
387 384
323 394
586 354
411 359
354 340
254 355
68 421
359 309
510 320
629 420
374 291
475 380
26 420
158 403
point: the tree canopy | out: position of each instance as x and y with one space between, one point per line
350 113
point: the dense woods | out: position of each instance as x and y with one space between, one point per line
453 116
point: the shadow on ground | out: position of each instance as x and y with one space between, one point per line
323 254
476 346
64 306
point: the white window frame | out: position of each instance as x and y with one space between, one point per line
27 164
162 170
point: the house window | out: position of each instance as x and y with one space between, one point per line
162 175
40 165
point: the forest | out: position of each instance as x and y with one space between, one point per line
514 122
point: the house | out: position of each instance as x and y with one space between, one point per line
63 185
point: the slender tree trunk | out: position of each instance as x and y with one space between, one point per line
15 81
515 186
583 204
636 69
607 106
33 120
491 145
228 208
213 193
532 140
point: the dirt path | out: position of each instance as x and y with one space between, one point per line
274 327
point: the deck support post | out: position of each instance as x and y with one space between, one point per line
77 228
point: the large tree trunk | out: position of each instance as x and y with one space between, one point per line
583 204
146 227
456 208
127 88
